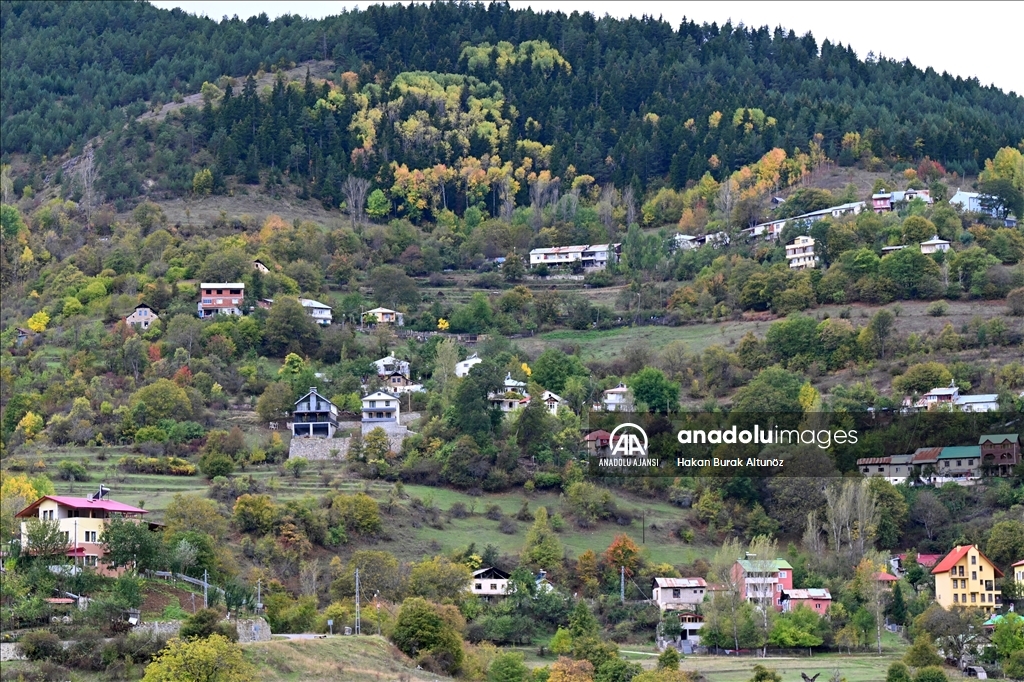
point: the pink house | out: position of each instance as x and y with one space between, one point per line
815 599
760 581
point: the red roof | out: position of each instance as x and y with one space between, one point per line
956 555
926 455
600 434
82 503
927 560
884 577
1020 563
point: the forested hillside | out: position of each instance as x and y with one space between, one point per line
628 101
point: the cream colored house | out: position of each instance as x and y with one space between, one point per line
82 520
489 582
142 316
934 245
671 594
800 253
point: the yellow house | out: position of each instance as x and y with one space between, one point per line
1018 572
82 520
966 577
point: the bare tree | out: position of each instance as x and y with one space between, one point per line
508 199
762 561
629 201
606 207
6 184
87 175
355 190
310 573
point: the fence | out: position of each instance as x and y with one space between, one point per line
184 578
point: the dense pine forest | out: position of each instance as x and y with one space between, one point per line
624 101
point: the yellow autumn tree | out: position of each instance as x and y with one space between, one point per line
38 322
213 659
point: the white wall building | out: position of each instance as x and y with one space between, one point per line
617 399
142 316
671 594
320 312
934 245
800 253
462 368
390 365
381 407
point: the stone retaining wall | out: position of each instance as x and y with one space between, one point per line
249 629
11 651
318 448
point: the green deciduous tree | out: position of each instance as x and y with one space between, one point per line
421 631
130 543
541 548
214 659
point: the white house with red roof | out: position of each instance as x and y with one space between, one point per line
82 520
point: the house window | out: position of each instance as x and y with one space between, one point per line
974 575
90 560
974 597
479 586
956 599
974 559
675 594
90 536
782 574
988 585
494 586
961 571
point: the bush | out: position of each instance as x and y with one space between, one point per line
200 625
150 434
173 466
546 479
508 526
1015 300
494 513
72 471
458 510
39 645
932 673
938 309
216 464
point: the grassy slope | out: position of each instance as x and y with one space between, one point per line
409 538
358 659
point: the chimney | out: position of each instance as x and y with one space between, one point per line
312 389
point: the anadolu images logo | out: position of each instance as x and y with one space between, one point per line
629 440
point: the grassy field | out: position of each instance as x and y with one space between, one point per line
355 659
410 537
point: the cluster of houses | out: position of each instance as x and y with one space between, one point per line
994 455
963 577
949 398
591 257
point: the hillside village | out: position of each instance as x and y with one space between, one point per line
313 338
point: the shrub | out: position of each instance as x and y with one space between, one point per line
494 513
216 464
72 471
173 466
201 624
546 479
1015 300
1014 668
150 434
458 510
508 526
938 309
40 646
932 673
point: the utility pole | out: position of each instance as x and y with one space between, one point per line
206 584
643 530
622 584
259 595
377 603
358 623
